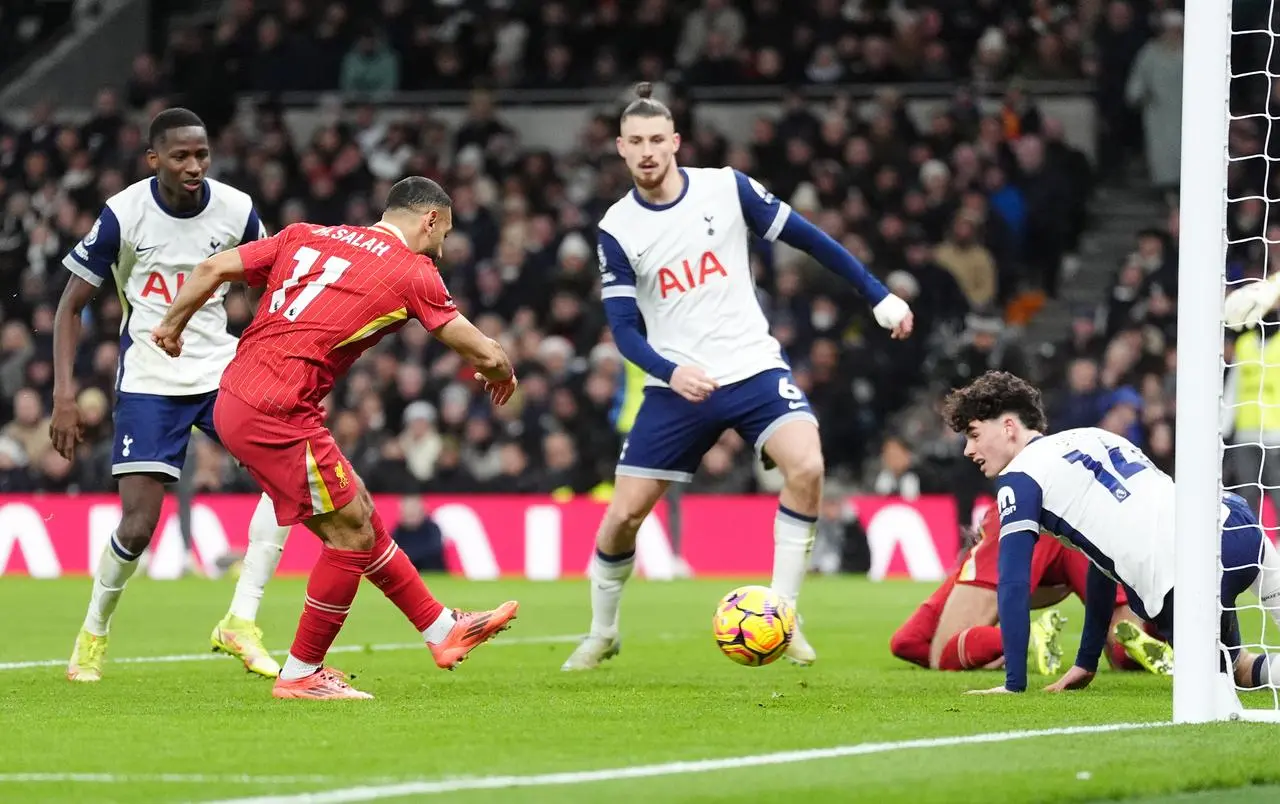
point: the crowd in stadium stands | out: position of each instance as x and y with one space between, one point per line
963 217
28 25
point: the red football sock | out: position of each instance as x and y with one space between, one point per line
393 573
972 648
1120 659
330 590
911 642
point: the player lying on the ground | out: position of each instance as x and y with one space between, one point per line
1098 494
681 300
955 629
332 292
147 238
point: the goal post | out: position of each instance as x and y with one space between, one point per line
1200 693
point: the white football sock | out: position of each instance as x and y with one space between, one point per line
793 536
435 633
115 568
266 544
295 669
608 575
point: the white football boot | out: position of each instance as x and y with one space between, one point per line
800 651
591 651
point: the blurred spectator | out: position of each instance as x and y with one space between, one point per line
1155 87
898 474
420 442
371 66
419 536
969 261
1082 403
840 544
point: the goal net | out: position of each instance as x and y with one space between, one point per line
1230 152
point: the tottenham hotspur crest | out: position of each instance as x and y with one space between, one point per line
214 246
127 441
710 229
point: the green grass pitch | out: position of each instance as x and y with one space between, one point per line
197 728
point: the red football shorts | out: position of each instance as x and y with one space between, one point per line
1052 564
299 466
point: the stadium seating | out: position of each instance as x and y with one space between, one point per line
946 213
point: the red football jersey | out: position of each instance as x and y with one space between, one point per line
331 293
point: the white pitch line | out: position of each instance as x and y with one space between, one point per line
368 792
167 778
559 639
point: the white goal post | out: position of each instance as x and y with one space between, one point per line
1200 692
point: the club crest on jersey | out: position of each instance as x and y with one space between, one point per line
92 236
214 246
340 472
709 218
687 277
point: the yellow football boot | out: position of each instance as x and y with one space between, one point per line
242 639
88 657
1044 652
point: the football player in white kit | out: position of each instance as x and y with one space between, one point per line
682 306
148 237
1097 493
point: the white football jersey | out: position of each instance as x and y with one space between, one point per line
150 250
1097 493
687 266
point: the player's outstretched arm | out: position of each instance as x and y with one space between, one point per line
772 219
64 425
204 281
1099 605
486 355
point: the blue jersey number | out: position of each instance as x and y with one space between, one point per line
1126 469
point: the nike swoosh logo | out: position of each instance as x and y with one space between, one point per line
141 249
797 405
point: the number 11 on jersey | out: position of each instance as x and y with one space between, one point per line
305 259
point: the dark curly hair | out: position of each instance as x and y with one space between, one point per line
992 395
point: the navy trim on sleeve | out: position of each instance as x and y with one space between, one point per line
253 228
617 277
764 213
92 258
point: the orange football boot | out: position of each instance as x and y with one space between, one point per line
470 630
324 684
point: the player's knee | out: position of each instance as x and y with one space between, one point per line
136 529
625 519
347 528
806 472
909 647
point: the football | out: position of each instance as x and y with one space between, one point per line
753 625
